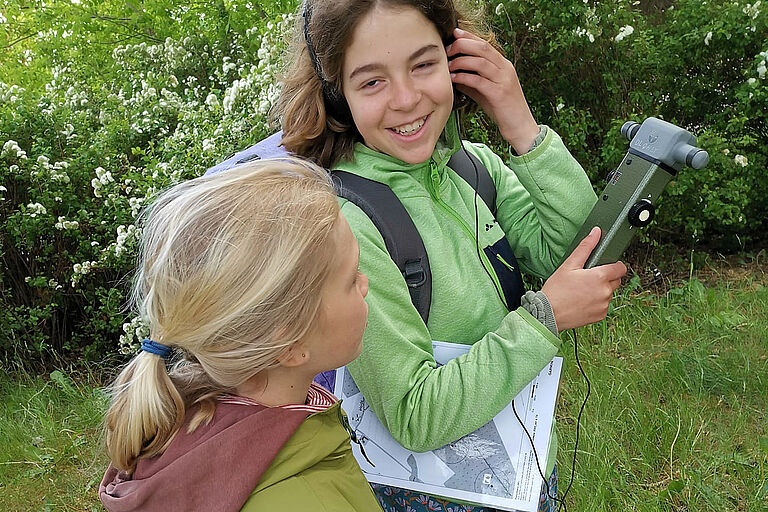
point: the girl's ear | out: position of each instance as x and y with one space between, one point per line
296 355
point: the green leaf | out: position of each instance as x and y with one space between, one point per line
61 380
673 488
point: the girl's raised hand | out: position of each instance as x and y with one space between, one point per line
580 296
485 75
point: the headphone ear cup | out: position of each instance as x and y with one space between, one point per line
336 104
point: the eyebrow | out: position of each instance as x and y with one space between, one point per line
375 65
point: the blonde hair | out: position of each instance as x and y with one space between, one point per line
230 272
309 128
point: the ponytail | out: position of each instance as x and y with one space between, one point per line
145 413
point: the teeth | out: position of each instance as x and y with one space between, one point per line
408 129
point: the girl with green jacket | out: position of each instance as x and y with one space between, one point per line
371 89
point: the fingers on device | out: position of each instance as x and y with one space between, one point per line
657 151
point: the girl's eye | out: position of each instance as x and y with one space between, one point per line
424 65
370 83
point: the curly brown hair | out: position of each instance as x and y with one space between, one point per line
311 127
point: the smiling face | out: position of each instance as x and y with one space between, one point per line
397 83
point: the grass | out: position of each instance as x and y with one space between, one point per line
677 415
676 420
51 456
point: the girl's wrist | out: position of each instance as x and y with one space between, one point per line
522 135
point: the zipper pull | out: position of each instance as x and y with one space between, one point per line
434 176
504 262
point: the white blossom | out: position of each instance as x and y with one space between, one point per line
228 66
624 32
135 203
741 160
708 38
36 209
124 236
63 223
96 184
81 269
753 11
11 147
105 177
499 9
133 332
583 32
211 100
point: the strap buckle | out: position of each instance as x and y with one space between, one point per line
414 273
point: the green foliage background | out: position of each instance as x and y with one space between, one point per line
103 103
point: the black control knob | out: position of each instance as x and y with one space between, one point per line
641 213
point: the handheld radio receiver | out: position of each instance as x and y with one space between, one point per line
657 151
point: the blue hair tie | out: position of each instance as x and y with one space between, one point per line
153 347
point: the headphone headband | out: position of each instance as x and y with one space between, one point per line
334 100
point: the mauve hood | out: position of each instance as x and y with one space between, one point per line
216 467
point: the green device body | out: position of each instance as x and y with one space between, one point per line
657 151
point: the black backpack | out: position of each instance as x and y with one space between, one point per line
402 239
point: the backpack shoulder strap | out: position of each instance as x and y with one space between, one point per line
401 237
462 164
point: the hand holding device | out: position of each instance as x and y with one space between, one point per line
580 296
485 75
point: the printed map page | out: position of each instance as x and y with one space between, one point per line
493 466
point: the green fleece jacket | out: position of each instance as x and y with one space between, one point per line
541 202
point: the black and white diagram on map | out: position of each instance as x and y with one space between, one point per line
492 466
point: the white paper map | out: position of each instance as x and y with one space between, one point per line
492 466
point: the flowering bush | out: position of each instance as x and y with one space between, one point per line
89 131
83 153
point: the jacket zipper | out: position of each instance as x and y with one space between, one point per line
434 182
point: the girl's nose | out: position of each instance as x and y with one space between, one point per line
405 95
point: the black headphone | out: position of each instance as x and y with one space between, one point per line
335 103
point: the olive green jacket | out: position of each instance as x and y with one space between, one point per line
315 470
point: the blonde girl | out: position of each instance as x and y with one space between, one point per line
371 90
249 281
